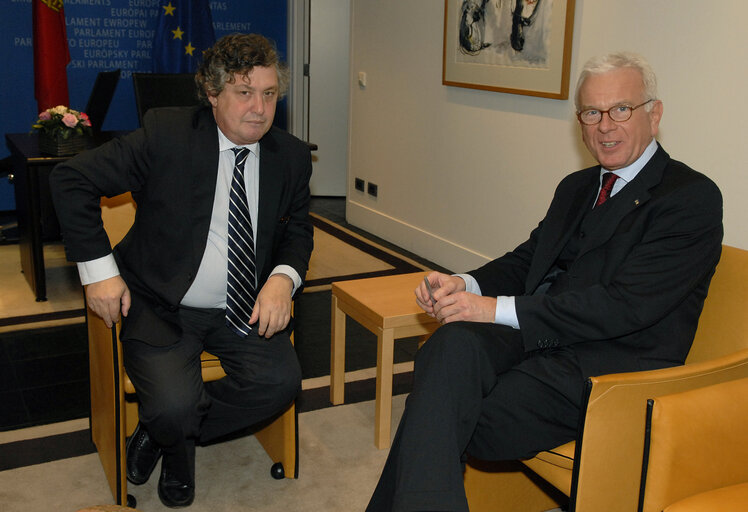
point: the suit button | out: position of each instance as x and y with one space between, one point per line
581 234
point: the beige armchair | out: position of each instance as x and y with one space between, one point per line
114 411
695 450
601 470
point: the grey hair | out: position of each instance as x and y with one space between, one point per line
620 60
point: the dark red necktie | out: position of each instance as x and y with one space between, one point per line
608 179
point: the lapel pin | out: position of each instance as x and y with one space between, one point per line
636 202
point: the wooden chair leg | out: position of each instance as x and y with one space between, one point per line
107 404
131 414
280 441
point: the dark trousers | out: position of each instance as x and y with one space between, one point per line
178 409
475 392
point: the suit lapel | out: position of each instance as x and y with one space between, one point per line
560 224
202 170
633 196
270 190
565 214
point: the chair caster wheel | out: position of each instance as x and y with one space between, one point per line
277 471
131 501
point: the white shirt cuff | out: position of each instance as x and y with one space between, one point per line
471 285
506 312
97 270
290 272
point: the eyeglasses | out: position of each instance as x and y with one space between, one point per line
618 113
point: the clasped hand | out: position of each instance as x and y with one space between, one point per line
452 303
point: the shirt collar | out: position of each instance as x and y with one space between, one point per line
224 144
629 172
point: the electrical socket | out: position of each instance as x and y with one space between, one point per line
373 189
360 184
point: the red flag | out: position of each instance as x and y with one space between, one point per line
51 54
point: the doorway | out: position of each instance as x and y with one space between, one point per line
320 66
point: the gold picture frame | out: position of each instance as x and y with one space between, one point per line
488 45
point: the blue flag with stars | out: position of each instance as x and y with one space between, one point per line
184 30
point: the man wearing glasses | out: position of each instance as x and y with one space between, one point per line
613 279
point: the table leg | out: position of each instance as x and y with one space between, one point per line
383 416
29 228
337 354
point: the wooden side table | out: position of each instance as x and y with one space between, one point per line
387 307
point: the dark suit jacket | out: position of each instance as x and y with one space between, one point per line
171 165
633 295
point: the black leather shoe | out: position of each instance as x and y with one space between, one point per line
173 492
142 456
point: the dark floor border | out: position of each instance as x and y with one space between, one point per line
42 317
355 392
400 266
29 452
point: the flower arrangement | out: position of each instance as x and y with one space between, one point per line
62 122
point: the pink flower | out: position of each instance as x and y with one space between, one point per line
85 120
45 116
70 120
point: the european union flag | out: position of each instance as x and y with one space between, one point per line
183 32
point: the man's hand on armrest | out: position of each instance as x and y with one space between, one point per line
108 298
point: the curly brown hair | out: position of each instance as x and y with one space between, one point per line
237 53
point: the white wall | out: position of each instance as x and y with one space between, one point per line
464 175
328 94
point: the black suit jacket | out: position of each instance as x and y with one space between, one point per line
632 297
170 166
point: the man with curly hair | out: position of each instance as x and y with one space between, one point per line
182 279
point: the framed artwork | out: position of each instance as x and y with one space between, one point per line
514 46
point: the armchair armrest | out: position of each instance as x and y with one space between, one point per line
695 443
726 499
614 426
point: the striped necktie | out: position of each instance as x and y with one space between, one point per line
240 291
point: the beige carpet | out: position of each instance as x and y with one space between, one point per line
339 468
342 253
334 257
17 299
